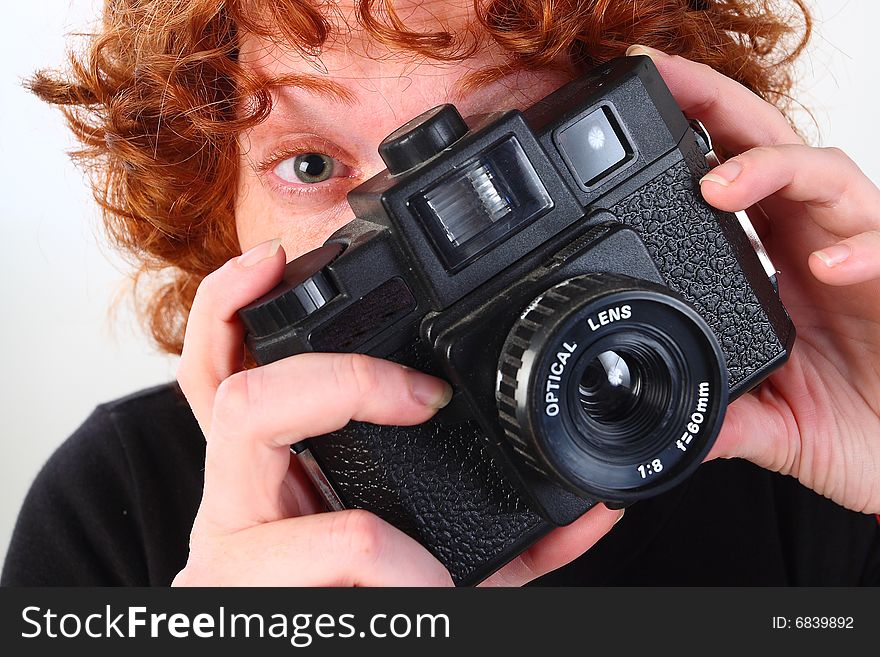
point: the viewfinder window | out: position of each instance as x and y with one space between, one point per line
593 146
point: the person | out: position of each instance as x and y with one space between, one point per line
222 128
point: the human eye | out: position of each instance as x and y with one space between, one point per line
310 168
316 170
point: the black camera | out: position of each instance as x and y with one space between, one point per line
559 268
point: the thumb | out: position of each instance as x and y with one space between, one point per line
760 428
559 547
851 261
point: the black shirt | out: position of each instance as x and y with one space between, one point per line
115 504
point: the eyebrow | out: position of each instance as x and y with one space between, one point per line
326 88
316 84
322 86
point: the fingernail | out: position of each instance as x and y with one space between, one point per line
834 255
725 174
428 390
639 49
259 253
620 517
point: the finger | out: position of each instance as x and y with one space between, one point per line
766 429
758 428
557 548
357 548
298 495
839 197
259 412
736 118
854 260
342 548
213 344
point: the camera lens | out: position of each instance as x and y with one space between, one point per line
612 386
626 393
623 393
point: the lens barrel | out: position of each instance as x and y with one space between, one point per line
615 387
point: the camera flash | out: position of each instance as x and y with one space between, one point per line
468 204
481 202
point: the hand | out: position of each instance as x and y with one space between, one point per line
818 417
260 522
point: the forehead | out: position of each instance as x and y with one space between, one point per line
354 64
345 20
421 21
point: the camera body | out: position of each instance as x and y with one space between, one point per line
559 268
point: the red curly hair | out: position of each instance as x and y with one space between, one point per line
155 99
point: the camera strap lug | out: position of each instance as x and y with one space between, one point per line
704 139
318 478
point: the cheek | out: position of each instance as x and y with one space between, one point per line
260 217
254 220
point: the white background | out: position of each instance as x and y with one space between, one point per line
62 355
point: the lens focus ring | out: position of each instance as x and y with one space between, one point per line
520 344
